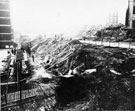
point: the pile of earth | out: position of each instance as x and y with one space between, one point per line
89 77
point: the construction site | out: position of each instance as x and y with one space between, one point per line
95 72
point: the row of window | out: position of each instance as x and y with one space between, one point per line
4 0
5 37
4 21
5 29
6 46
4 14
4 6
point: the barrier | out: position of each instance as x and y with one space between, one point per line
128 45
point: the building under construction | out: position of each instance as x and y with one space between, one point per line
6 38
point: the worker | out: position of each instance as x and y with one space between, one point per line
9 56
25 56
19 55
33 57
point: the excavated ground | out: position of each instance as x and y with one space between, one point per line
83 77
99 78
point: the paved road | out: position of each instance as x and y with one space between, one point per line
112 44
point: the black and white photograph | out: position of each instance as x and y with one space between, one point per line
67 55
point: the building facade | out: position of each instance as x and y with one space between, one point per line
6 35
131 14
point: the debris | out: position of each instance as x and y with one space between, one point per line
115 72
89 71
114 33
85 73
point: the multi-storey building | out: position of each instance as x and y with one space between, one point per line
6 36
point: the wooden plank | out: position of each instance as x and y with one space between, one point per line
8 83
15 96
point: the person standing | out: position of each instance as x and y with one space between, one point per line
19 54
33 57
25 58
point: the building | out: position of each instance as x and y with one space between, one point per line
6 35
130 16
113 19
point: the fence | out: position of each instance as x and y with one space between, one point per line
20 95
128 45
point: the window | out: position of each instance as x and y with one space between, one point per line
133 24
134 10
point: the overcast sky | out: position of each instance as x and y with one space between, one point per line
58 16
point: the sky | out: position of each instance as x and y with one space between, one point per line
59 16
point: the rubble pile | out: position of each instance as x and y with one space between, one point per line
90 77
49 49
115 34
114 77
